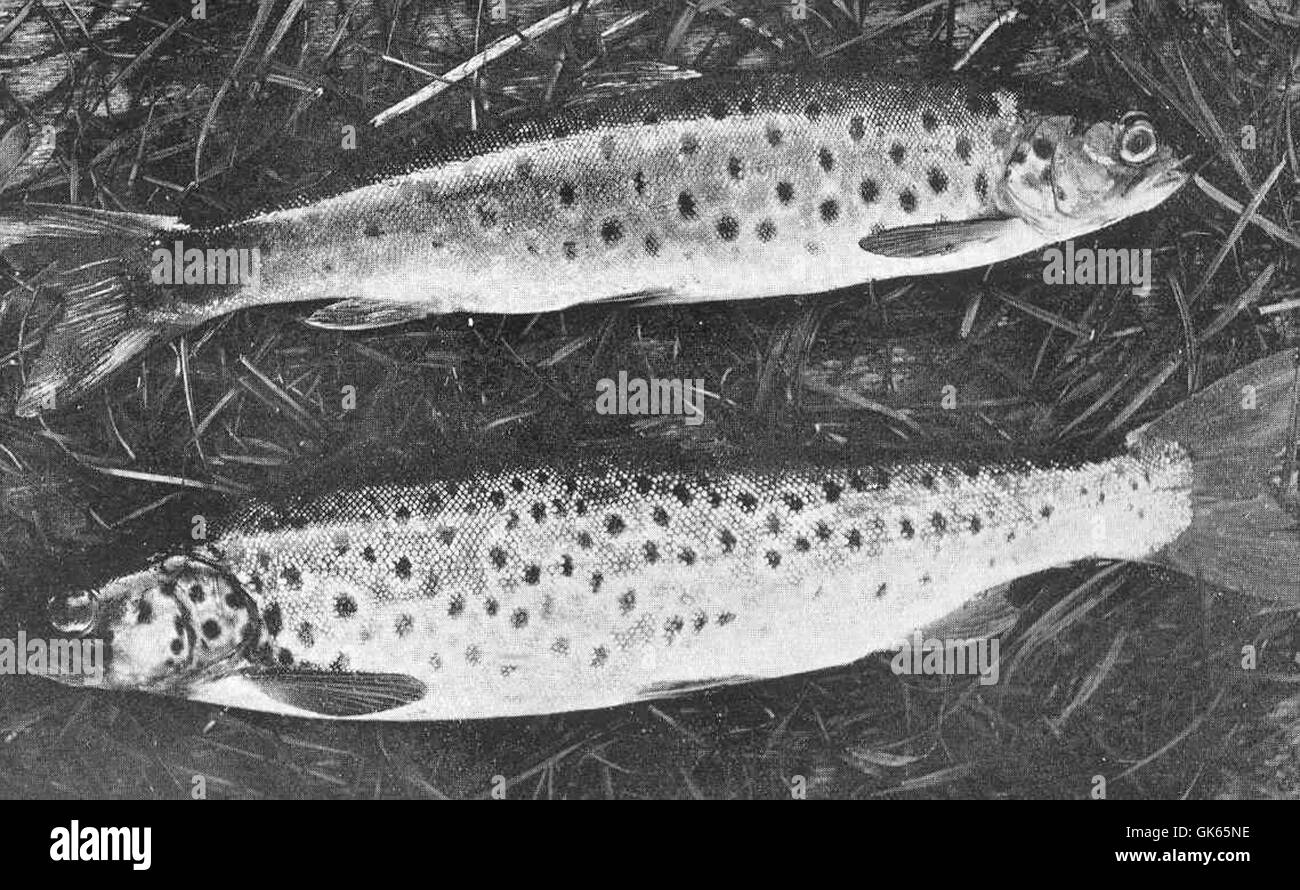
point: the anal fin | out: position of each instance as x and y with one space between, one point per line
362 315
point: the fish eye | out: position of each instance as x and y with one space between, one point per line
72 613
1138 144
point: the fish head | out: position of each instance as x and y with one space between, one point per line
1065 176
162 626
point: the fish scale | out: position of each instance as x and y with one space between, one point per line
538 591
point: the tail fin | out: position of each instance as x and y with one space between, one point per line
85 256
1241 433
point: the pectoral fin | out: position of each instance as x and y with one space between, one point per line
937 239
334 694
361 315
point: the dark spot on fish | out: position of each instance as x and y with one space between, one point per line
766 230
715 499
686 205
1018 156
512 520
487 216
232 600
937 179
599 656
638 182
491 607
560 646
929 121
497 498
784 192
651 117
143 611
774 136
728 228
1043 148
683 494
566 565
660 516
292 577
927 480
869 191
532 574
614 524
907 200
727 539
857 128
446 535
701 621
830 210
560 130
833 490
405 624
926 579
1011 536
802 544
372 231
627 602
773 558
673 626
597 579
773 524
906 528
652 245
881 590
498 557
823 531
687 556
345 606
982 104
643 484
690 143
538 512
568 194
725 618
457 605
793 501
368 554
897 153
855 539
814 110
519 619
981 186
177 646
718 109
651 550
826 159
1133 484
274 619
1101 498
473 655
403 568
306 634
939 523
747 502
584 540
1046 511
570 250
963 148
747 105
735 169
611 231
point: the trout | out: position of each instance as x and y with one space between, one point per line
550 588
721 188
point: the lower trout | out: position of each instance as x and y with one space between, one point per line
548 589
708 189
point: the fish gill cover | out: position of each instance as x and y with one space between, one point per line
209 118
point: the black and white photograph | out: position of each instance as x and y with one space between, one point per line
868 400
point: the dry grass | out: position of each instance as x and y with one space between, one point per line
1113 670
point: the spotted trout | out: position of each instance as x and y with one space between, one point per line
550 588
710 189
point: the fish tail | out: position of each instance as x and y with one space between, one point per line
89 261
1241 433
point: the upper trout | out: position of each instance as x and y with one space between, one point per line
721 188
553 588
